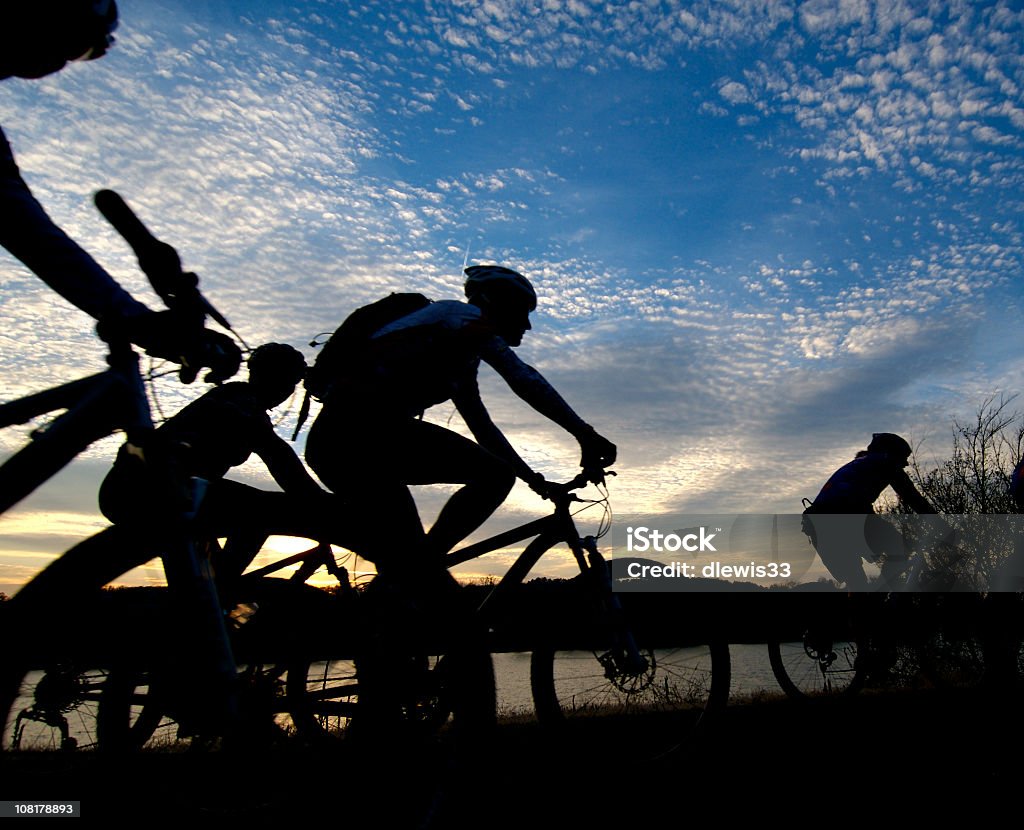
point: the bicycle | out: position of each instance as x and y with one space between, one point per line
311 678
915 632
100 405
129 704
272 622
586 659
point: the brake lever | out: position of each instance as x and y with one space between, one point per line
598 476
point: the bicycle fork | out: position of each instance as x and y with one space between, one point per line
624 657
207 645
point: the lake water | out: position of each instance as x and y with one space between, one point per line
751 675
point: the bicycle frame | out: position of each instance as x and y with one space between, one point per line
99 405
64 689
549 531
95 407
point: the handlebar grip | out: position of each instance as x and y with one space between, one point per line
158 260
116 211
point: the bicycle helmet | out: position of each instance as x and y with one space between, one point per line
499 286
277 361
99 19
890 444
39 38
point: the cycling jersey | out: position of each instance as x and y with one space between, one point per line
218 431
31 235
855 487
433 355
368 445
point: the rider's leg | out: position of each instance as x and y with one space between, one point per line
434 454
246 516
839 541
887 545
369 461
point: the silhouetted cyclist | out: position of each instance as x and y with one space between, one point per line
853 489
214 433
37 38
369 441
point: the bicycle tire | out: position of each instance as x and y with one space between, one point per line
131 715
11 680
454 692
569 684
821 668
322 697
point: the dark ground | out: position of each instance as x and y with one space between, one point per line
881 756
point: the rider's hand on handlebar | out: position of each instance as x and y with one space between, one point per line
216 351
541 486
597 452
180 338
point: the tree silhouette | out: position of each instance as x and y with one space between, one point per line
973 482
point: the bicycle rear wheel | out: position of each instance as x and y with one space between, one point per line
55 709
818 666
137 709
690 680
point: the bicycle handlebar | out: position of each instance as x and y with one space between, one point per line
158 260
582 479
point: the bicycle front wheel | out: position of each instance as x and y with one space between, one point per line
817 667
690 680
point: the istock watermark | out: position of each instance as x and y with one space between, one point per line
743 552
642 539
708 552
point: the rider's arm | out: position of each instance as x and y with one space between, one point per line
31 235
909 494
286 467
531 386
471 408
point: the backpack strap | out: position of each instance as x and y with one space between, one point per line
303 415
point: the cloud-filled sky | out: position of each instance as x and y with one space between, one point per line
760 231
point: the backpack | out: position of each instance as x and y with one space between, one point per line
341 352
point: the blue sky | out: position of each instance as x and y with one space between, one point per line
760 231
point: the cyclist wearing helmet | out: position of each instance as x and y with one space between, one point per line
852 490
209 436
368 442
37 38
214 433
